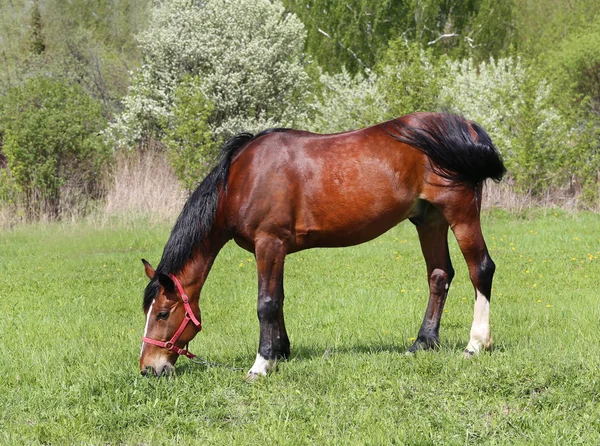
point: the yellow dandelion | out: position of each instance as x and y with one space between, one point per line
403 290
534 285
539 301
241 264
548 306
411 339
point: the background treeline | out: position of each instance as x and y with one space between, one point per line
104 100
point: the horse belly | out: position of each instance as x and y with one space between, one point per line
351 217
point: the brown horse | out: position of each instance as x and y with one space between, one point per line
285 190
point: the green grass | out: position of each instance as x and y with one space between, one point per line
71 323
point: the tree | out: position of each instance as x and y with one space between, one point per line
247 56
189 139
36 39
355 33
51 140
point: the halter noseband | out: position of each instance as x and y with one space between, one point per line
189 316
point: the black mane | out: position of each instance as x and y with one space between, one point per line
197 217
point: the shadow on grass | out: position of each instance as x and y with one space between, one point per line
309 353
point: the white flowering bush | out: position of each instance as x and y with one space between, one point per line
247 55
515 108
347 102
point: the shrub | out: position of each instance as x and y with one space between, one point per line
515 106
347 102
246 55
189 139
54 152
410 79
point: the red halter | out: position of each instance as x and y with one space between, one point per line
189 316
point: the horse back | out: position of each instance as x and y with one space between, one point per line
322 190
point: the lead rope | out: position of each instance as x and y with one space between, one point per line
197 360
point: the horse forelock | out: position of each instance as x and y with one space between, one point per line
150 293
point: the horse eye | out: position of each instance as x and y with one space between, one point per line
163 315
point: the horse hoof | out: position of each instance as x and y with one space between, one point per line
251 377
468 354
422 345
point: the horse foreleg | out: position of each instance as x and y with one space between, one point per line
273 343
433 235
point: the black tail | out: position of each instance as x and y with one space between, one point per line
455 155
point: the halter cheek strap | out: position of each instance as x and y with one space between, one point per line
189 316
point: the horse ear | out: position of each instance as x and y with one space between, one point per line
166 282
149 270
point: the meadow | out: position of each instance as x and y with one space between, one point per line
71 322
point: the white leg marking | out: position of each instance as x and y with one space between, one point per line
481 338
146 327
261 366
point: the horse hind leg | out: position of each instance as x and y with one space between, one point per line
433 235
274 343
481 272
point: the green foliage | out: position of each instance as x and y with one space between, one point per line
88 43
514 104
70 372
477 29
347 102
247 55
192 148
410 79
352 33
543 25
36 39
355 34
575 67
52 145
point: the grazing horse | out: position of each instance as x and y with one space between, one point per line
285 190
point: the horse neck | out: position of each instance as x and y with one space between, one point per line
196 270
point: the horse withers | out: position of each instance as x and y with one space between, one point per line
284 190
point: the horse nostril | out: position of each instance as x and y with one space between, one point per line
149 370
167 371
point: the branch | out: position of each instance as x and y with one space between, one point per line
443 36
324 33
352 53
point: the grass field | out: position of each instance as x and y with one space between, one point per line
71 323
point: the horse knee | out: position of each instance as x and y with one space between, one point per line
440 280
268 308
